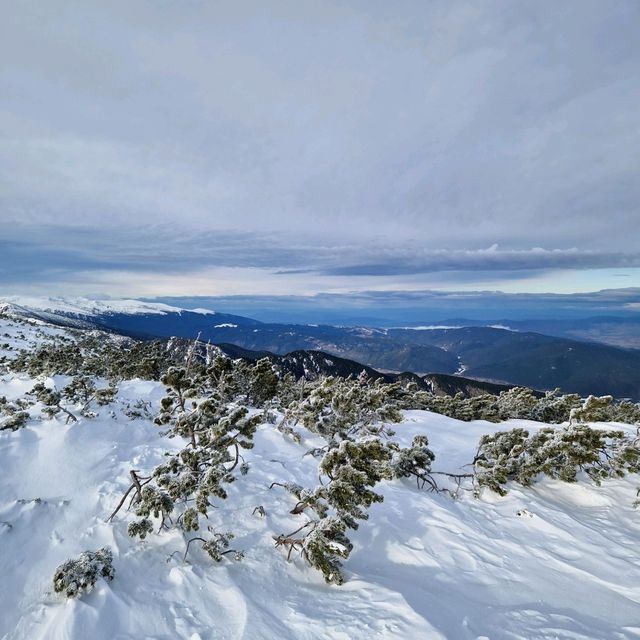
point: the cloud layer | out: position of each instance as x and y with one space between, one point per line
317 140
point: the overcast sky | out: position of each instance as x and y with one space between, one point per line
274 147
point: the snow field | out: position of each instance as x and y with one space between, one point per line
555 561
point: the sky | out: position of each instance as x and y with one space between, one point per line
302 148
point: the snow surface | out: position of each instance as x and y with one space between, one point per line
432 327
84 306
423 566
435 327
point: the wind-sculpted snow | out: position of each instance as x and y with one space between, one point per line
554 560
423 566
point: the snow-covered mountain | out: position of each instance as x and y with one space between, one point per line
555 560
128 317
90 307
490 354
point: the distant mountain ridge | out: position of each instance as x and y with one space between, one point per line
314 364
494 355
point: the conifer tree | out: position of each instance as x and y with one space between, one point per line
180 491
263 382
352 469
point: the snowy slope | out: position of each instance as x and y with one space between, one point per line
423 566
86 306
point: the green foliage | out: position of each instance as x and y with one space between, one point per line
180 387
350 415
228 377
289 390
339 408
154 502
49 359
353 469
80 389
14 421
553 407
106 395
594 409
78 576
94 355
325 545
218 545
263 383
12 414
45 395
137 410
140 528
558 453
83 390
182 488
50 399
414 460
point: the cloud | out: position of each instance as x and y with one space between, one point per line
491 259
310 140
50 252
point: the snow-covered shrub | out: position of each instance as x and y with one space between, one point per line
414 461
558 453
217 546
263 383
256 384
83 390
352 470
323 547
483 407
80 389
350 415
180 388
180 490
140 528
625 411
289 390
50 359
14 421
518 402
95 355
594 409
228 377
12 414
51 400
78 576
341 408
553 407
138 410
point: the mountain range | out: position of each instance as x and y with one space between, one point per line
495 354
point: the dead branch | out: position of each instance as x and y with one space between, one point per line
137 482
